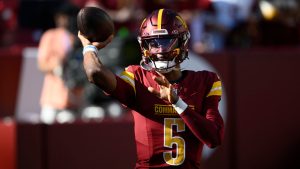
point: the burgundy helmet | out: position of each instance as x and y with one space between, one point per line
163 32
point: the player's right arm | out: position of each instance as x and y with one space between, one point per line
96 72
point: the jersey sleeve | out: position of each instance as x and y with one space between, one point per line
208 128
125 89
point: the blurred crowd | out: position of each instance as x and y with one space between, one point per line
215 26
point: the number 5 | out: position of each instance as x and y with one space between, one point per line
169 140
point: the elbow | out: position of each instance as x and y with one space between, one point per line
92 74
214 143
217 140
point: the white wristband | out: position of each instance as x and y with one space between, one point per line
90 48
180 106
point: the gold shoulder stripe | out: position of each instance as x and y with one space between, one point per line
128 74
128 77
159 18
216 89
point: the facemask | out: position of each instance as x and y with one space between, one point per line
163 66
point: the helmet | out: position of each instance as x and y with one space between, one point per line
163 38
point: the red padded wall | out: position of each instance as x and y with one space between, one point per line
10 66
7 144
262 125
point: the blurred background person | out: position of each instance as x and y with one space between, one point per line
97 106
56 43
215 20
9 22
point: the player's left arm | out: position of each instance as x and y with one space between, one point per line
209 128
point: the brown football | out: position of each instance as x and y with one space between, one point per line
95 24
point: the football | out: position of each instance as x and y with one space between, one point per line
95 24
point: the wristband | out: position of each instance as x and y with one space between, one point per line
90 48
180 106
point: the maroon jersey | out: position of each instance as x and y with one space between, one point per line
163 137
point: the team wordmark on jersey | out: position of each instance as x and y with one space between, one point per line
163 110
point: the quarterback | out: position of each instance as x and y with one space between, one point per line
175 111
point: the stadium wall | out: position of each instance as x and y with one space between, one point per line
262 126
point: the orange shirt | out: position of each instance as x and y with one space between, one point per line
53 49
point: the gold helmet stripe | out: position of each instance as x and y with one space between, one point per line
159 18
182 21
142 23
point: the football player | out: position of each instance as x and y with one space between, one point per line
175 111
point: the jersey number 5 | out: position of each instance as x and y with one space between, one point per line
170 140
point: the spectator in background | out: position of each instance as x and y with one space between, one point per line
125 14
209 27
55 44
212 24
8 20
122 51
